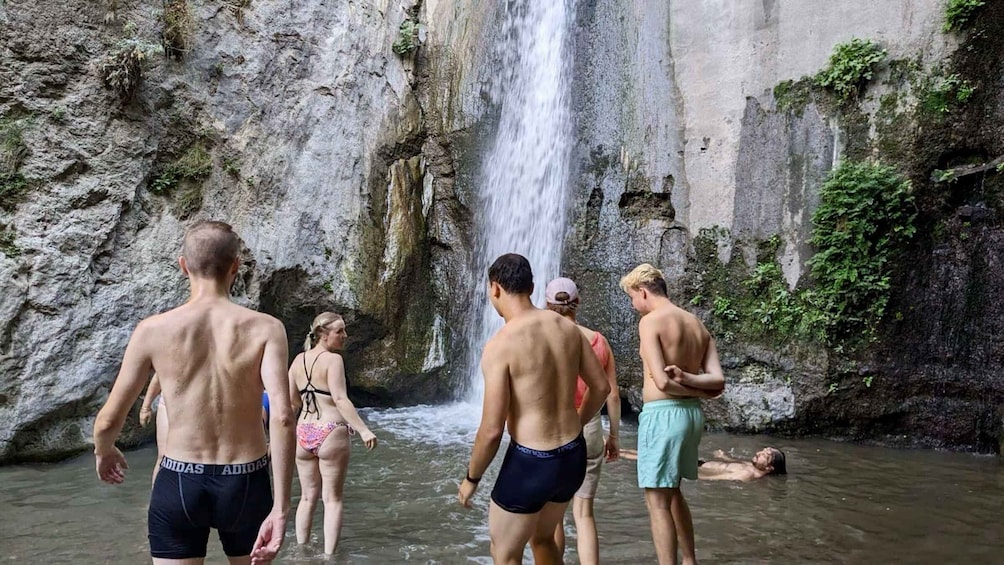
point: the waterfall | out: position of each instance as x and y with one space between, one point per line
524 177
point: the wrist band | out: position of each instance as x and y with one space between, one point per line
472 480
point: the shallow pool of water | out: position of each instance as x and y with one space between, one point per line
840 503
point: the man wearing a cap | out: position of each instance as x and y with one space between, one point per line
562 297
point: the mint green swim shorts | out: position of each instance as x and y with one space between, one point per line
669 433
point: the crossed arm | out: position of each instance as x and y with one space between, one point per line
655 363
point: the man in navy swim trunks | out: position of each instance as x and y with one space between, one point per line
213 358
531 367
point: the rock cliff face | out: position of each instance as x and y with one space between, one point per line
296 122
351 173
682 133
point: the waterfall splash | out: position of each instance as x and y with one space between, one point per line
524 178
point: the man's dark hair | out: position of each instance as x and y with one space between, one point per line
210 249
512 272
777 461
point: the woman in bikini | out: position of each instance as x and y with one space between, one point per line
326 419
562 296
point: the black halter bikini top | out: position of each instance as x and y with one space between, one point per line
310 392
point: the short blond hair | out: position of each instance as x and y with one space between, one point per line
645 276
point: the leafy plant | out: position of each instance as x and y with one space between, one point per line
866 211
13 150
945 92
868 381
958 13
12 187
851 66
407 35
122 69
237 8
946 175
232 167
723 309
177 34
7 245
194 165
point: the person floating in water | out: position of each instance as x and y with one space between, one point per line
530 368
326 418
681 366
766 462
212 358
562 296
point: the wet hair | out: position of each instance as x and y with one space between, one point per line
777 462
512 272
645 276
565 309
319 327
210 249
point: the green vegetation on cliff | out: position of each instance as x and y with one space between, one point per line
188 171
851 66
958 14
865 215
866 212
13 150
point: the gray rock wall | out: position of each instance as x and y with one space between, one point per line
679 132
315 138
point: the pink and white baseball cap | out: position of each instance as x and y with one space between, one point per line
561 284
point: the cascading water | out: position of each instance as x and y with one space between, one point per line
522 194
524 176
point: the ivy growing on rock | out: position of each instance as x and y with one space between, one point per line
866 212
959 13
851 66
865 215
13 150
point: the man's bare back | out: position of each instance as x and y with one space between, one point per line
209 357
682 340
544 354
531 369
212 358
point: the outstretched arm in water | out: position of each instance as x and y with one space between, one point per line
493 417
135 370
340 395
280 430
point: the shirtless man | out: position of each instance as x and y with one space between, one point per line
212 358
530 368
681 367
767 461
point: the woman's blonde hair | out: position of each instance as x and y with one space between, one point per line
318 327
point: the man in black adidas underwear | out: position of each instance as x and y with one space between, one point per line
213 358
530 369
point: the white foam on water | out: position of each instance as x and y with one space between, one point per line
443 424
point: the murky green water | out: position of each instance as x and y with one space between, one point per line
840 504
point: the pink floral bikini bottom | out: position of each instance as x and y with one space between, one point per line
311 435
